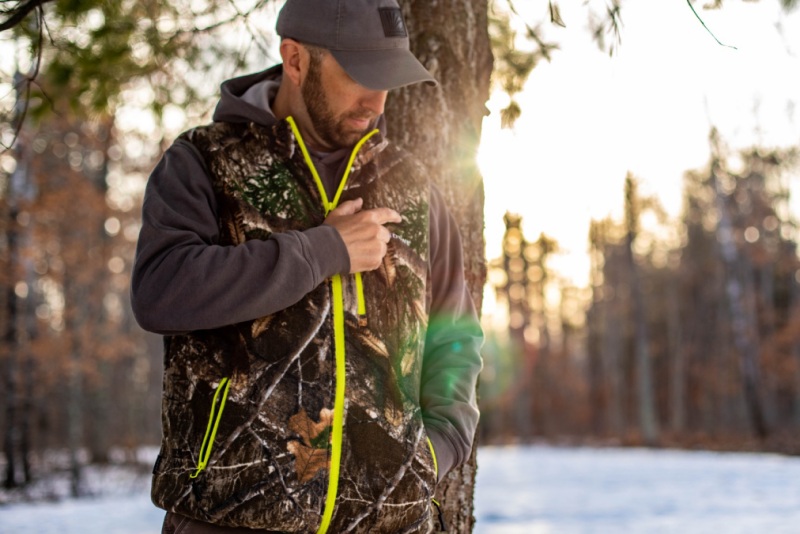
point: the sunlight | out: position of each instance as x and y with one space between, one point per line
647 110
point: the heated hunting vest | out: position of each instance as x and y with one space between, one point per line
306 420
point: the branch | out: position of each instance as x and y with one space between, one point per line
19 13
239 14
706 27
27 80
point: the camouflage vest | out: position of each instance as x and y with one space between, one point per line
292 422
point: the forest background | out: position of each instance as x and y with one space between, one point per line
683 330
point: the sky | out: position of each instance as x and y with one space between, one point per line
588 118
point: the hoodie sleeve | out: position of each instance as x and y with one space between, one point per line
452 358
183 280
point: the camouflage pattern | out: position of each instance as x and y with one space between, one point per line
269 464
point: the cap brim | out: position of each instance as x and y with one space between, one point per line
383 69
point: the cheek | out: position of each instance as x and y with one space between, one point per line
342 104
348 94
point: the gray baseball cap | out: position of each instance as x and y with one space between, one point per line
368 38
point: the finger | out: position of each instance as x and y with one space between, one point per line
348 207
386 215
384 234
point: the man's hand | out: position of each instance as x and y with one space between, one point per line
363 232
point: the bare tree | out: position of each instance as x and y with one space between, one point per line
738 292
648 421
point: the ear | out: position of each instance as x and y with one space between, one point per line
294 60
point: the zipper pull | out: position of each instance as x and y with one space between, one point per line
362 307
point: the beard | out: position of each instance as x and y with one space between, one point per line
332 130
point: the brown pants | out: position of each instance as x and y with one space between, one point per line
178 524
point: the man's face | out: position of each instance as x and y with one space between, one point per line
341 110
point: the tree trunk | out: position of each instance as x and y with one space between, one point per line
442 128
614 383
10 256
677 382
75 323
763 313
10 384
741 320
516 292
648 421
795 307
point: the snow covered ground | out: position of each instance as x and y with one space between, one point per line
546 490
543 490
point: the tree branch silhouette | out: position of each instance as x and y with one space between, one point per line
17 14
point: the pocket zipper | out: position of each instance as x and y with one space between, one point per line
435 463
213 424
442 524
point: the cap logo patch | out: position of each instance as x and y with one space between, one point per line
392 20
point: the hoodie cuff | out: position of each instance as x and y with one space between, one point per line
446 457
328 251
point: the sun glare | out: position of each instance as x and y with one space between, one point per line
588 119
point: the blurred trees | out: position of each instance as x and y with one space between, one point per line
90 90
691 328
79 56
533 384
78 376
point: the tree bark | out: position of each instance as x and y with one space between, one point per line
442 128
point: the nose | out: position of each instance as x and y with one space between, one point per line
374 100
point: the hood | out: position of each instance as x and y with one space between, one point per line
240 104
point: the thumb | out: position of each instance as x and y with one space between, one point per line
348 207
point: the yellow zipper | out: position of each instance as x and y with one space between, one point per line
433 455
338 327
362 307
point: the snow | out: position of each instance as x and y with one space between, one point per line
132 514
544 490
539 490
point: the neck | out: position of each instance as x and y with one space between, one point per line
281 106
290 103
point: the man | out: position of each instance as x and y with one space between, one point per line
321 349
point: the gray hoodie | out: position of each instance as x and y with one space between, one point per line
172 291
